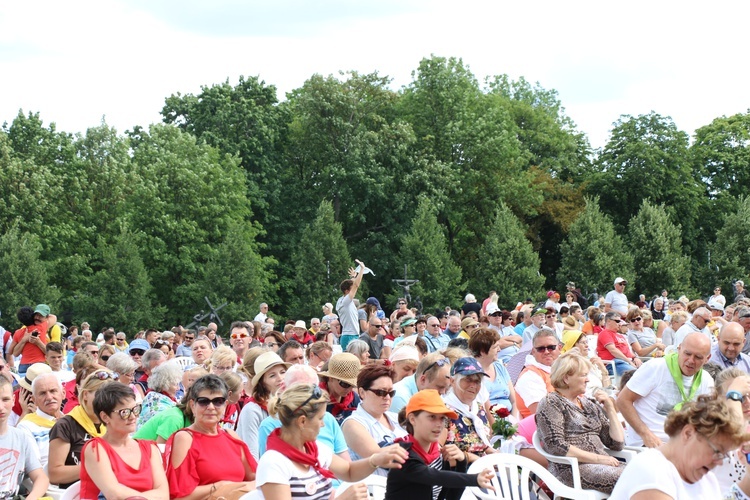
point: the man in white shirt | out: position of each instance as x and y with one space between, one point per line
616 300
47 391
698 323
652 391
534 382
263 314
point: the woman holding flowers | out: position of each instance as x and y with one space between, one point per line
574 426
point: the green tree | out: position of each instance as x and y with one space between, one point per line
24 275
320 259
731 250
593 254
722 155
119 293
656 246
508 262
425 250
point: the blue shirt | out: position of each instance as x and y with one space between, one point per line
742 361
405 389
330 434
438 343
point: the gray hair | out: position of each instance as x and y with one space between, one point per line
544 333
121 363
150 358
45 376
470 298
357 347
165 376
300 374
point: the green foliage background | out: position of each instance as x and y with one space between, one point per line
244 198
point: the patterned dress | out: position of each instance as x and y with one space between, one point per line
561 424
463 434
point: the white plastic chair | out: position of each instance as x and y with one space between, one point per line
626 455
184 362
513 480
375 486
73 492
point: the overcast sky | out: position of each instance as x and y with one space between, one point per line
78 61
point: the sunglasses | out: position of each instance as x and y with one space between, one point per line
236 336
126 412
382 392
440 362
137 352
204 402
402 303
316 394
635 320
344 385
548 348
189 338
105 358
105 375
377 326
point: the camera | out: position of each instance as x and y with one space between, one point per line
34 334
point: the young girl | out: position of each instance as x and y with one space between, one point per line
428 469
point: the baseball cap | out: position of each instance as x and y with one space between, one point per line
467 322
430 401
139 344
42 309
467 366
619 280
492 308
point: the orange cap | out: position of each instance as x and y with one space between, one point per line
430 401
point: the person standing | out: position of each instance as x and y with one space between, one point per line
345 307
616 300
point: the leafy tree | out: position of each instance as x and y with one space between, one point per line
508 262
722 155
731 250
119 293
24 275
593 254
321 260
656 246
425 250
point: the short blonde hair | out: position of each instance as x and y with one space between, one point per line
223 354
570 363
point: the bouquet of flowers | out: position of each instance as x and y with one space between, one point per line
502 426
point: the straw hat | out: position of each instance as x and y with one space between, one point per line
344 367
33 372
265 362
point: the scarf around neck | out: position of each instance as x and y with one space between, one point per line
39 420
336 408
471 412
309 457
673 365
428 456
79 415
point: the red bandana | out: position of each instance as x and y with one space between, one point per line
428 456
309 457
262 405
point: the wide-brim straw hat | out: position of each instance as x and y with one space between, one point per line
265 362
344 367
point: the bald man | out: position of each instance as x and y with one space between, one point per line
652 391
727 352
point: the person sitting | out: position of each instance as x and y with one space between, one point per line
676 321
661 385
371 426
534 381
339 381
21 456
613 346
47 392
572 425
701 433
433 372
404 359
485 346
124 366
116 465
643 340
294 466
727 352
576 341
162 391
71 432
193 453
733 468
430 471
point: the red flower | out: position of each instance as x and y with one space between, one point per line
502 412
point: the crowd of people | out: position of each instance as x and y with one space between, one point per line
312 407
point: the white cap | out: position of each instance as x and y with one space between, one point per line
300 324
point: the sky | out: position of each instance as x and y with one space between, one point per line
78 62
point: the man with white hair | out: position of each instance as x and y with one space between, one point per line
263 314
330 434
47 392
698 323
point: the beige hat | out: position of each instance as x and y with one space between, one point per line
33 372
344 367
265 362
300 324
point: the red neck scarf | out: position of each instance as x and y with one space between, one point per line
428 456
337 408
262 405
308 457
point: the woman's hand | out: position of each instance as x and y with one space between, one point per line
451 452
356 491
484 479
608 460
390 457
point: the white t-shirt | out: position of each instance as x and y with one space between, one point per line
659 394
275 467
618 301
530 386
650 470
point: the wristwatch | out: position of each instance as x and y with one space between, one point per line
735 396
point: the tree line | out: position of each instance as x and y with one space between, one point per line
474 186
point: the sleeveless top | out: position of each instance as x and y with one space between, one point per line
140 478
381 434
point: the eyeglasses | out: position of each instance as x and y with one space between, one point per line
635 320
236 336
93 353
105 358
343 384
204 402
548 348
273 344
102 375
316 394
434 325
118 338
382 392
440 363
137 352
189 338
718 456
126 412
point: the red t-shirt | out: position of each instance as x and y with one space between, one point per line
610 337
32 353
139 479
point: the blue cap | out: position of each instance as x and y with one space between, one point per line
139 344
373 301
467 366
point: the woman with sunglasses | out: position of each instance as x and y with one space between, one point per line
105 352
643 340
70 433
339 380
192 454
294 466
372 426
116 465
